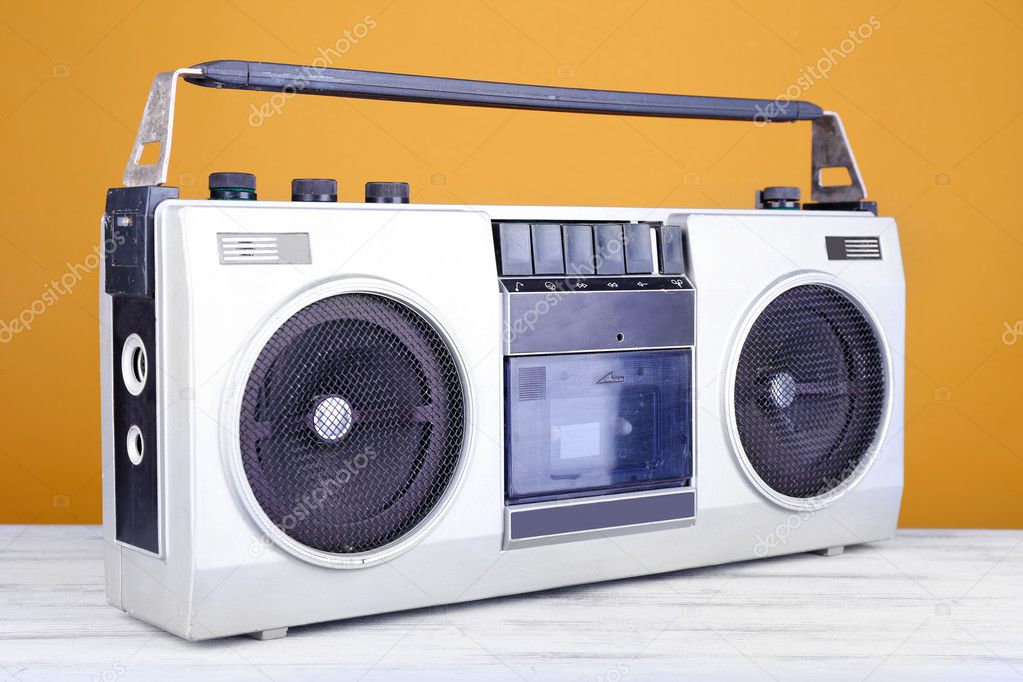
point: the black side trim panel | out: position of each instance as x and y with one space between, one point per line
136 485
129 269
867 206
128 231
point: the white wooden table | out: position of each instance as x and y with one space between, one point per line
928 605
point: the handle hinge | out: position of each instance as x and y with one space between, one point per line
830 149
156 127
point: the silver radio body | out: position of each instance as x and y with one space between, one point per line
316 410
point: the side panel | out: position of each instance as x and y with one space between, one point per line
129 267
351 248
734 261
111 550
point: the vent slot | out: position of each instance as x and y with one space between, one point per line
263 248
853 248
533 383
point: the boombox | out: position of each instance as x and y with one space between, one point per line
316 410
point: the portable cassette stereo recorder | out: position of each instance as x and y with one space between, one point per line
316 410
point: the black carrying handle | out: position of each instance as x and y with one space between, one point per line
270 77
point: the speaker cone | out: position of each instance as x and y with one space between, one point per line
809 392
352 423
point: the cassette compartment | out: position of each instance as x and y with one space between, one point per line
579 425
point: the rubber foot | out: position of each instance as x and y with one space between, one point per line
263 635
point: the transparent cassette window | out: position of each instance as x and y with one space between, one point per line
583 424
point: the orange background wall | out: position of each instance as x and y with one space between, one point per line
931 100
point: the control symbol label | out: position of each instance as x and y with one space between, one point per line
611 378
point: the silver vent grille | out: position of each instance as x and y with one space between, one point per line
533 383
240 248
853 248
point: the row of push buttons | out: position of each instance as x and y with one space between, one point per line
590 249
242 186
555 249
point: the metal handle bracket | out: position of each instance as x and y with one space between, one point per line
830 149
156 127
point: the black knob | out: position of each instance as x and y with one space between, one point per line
232 186
313 189
387 193
779 197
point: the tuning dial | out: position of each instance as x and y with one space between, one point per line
232 186
387 193
779 197
313 189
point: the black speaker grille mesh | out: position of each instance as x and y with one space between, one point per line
809 391
351 423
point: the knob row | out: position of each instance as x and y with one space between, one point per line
242 186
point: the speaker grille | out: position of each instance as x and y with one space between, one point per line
809 391
351 423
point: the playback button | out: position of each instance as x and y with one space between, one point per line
516 252
670 250
548 257
610 250
578 249
639 255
